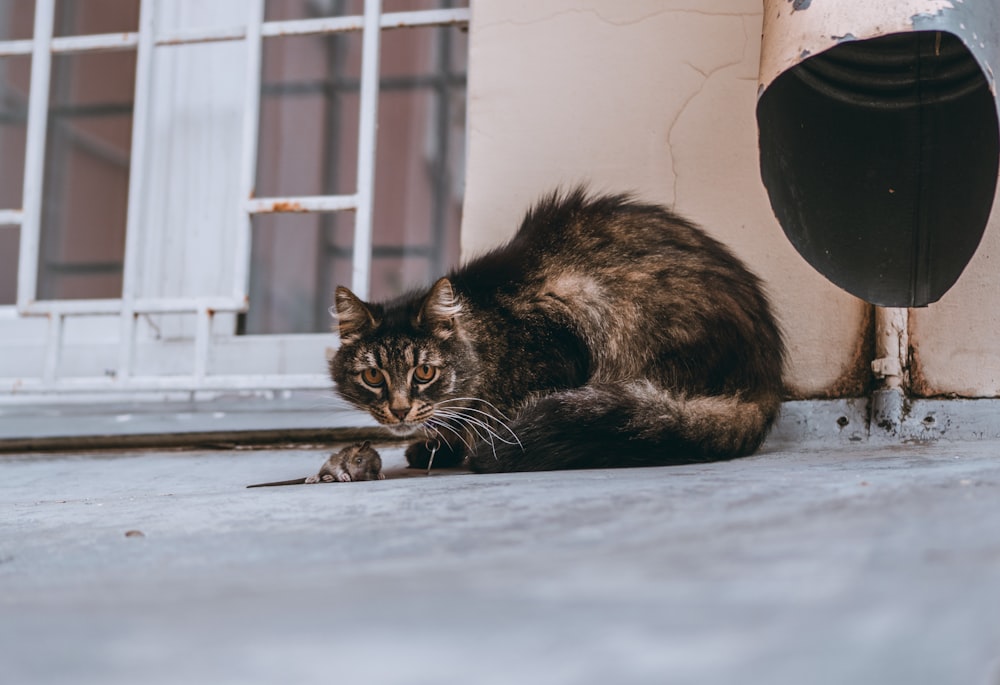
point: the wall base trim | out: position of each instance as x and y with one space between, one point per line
887 417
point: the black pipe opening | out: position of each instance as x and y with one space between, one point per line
880 159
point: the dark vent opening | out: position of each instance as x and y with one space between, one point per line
880 161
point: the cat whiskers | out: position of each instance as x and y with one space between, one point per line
430 425
471 419
475 399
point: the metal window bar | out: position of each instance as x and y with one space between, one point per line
41 48
11 217
444 84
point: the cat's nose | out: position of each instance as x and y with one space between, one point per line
400 413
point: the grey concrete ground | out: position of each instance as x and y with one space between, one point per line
846 564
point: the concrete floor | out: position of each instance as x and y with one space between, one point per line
847 564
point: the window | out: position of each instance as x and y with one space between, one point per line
185 183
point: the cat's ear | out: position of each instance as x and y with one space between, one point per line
440 310
354 318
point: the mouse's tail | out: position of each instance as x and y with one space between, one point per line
294 481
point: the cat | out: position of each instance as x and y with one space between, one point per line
608 332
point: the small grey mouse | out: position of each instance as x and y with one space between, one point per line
359 461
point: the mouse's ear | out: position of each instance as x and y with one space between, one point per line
366 444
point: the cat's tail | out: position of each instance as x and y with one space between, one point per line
628 424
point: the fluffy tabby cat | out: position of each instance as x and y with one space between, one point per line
606 333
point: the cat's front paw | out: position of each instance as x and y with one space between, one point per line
418 455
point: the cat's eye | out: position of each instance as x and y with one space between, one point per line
373 377
424 373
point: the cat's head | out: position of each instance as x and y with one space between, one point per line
398 360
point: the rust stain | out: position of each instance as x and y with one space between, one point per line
286 206
856 380
918 385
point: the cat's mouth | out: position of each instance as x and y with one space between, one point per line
402 428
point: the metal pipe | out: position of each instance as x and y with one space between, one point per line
248 164
889 366
136 187
34 153
891 346
367 136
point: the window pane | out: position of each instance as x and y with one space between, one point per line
15 76
9 245
309 115
86 175
419 166
285 10
17 19
14 79
83 17
295 259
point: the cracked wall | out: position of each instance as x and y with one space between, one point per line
653 96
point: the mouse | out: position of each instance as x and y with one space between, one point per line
359 461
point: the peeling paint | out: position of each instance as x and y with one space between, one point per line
931 14
800 4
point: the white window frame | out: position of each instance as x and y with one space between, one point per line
121 380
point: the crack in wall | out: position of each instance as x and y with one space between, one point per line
598 15
706 77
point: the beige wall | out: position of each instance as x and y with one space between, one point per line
956 341
655 96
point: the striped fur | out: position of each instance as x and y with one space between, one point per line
606 333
